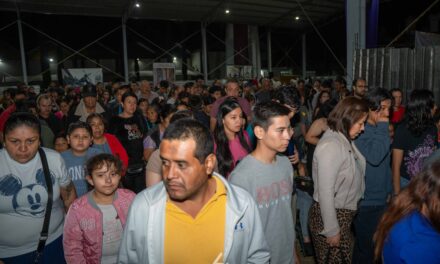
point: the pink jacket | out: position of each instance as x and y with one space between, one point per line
82 238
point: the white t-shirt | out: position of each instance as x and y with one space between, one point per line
23 198
112 234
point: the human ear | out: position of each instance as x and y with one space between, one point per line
259 132
210 162
89 180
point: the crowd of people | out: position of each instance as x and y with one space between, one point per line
233 172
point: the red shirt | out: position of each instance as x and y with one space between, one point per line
397 116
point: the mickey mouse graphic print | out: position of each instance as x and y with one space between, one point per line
23 199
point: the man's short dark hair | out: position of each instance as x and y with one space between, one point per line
264 112
375 96
164 83
186 128
79 124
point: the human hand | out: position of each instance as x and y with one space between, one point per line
383 117
333 241
294 159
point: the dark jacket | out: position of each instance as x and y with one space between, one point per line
374 144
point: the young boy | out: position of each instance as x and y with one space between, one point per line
79 137
60 143
268 177
94 223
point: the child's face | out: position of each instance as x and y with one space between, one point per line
61 144
105 180
79 140
97 127
152 115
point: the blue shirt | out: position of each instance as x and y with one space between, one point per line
75 166
412 240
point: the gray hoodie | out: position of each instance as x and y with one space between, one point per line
143 239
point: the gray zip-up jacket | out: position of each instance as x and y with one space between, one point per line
339 178
143 239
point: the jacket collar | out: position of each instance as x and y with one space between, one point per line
158 192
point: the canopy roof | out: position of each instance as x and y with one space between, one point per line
271 13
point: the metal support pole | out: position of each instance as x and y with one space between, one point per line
124 42
22 53
355 10
204 53
269 51
304 57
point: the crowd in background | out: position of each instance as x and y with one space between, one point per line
363 161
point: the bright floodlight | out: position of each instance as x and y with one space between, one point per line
297 18
227 11
50 59
138 5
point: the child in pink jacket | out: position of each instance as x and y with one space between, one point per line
94 223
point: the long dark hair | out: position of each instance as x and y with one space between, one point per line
224 155
423 190
418 111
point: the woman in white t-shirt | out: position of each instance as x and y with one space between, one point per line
23 194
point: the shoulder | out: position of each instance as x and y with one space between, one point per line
126 194
149 196
80 203
53 156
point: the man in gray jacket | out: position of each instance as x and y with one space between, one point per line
193 215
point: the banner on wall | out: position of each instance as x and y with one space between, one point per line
164 71
239 71
82 76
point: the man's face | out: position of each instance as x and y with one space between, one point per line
232 89
90 101
185 178
397 95
22 143
134 87
361 88
278 134
145 86
45 107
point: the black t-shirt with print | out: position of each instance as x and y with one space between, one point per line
130 132
415 149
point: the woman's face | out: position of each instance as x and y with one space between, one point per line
233 121
64 107
324 98
358 127
97 127
22 143
129 105
152 115
144 107
106 95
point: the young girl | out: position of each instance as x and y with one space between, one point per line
231 139
94 223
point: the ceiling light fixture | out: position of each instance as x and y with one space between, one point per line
296 18
227 11
50 59
138 5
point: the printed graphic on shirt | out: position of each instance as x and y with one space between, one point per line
274 193
29 200
414 159
77 173
133 131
